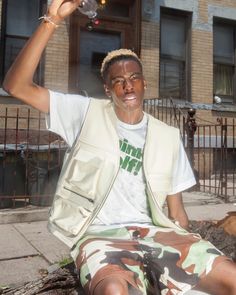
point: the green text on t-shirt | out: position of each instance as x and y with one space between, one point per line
132 160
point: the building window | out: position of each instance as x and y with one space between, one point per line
19 20
174 55
224 62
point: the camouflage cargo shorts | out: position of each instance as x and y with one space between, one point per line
152 260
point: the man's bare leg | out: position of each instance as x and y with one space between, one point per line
221 280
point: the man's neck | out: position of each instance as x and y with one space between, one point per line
132 117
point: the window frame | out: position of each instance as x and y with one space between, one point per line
225 23
4 36
187 18
132 12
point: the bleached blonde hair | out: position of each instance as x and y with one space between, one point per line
117 55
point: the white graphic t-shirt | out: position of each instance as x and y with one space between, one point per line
127 202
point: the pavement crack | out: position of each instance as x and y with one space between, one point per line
32 245
20 257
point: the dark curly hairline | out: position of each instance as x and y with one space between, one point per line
116 59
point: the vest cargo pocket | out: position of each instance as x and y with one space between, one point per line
68 216
77 197
83 186
83 174
74 191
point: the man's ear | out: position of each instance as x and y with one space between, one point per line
145 84
107 91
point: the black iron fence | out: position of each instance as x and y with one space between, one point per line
211 146
215 157
31 157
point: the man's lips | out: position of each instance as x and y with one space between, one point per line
130 97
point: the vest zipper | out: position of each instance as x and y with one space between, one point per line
148 184
72 191
93 216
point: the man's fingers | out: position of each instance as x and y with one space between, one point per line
68 7
53 8
63 8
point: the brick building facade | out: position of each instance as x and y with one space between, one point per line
197 71
204 14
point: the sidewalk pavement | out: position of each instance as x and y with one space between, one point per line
27 249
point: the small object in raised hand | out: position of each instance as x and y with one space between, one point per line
81 5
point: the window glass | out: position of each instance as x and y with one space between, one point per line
173 44
172 79
223 80
93 48
13 47
224 61
22 17
173 37
224 44
21 20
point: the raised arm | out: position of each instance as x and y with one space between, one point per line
19 79
176 210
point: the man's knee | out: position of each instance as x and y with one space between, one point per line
112 286
221 280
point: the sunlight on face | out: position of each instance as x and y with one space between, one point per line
125 84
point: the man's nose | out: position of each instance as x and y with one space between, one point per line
127 84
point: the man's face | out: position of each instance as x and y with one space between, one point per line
125 84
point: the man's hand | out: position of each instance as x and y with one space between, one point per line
60 9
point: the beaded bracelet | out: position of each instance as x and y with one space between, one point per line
48 19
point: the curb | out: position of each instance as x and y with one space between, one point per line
28 214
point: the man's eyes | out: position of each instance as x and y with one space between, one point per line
121 81
135 77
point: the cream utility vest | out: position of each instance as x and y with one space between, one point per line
91 167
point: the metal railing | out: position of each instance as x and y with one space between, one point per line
210 146
31 157
215 157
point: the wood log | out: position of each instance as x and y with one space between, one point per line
229 223
63 281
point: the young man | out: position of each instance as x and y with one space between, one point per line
123 166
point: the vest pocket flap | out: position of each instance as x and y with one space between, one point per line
68 216
160 183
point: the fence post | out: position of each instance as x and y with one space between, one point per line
191 127
223 166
